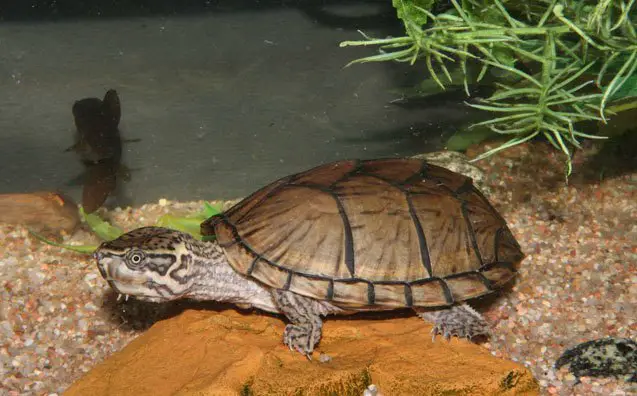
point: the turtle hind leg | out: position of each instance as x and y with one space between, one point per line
305 329
460 320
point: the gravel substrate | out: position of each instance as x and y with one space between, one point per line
58 318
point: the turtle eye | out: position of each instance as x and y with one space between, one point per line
135 257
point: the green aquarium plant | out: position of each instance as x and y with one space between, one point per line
555 65
190 224
107 232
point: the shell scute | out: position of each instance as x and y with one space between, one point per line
397 232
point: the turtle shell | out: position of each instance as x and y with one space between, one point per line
387 232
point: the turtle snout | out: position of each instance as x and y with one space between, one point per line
99 259
97 255
102 270
107 265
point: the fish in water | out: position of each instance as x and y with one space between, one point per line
98 143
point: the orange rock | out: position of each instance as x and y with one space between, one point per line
44 210
228 353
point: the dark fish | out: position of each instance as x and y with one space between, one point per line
97 137
98 143
99 182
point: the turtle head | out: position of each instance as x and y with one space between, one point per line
150 263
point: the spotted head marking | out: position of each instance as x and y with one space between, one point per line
150 263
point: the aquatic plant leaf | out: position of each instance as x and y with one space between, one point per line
212 210
562 62
408 10
466 137
107 231
190 224
513 142
627 90
85 249
505 56
101 228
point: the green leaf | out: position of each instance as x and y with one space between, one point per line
466 137
190 224
108 232
628 89
212 210
101 228
409 12
504 55
85 249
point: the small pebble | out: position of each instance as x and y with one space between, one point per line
91 276
371 390
82 325
324 358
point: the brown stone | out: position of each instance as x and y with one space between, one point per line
229 353
41 211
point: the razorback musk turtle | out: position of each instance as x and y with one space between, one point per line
343 237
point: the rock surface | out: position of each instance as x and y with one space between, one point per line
459 163
41 211
230 353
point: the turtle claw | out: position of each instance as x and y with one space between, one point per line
301 338
438 330
300 350
124 296
460 321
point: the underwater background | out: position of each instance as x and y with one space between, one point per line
218 98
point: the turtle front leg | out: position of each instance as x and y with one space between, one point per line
459 320
305 329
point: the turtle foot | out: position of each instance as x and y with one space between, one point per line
460 321
302 338
304 331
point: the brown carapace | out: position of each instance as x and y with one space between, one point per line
388 232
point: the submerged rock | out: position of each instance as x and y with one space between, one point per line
604 357
212 353
459 163
41 211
